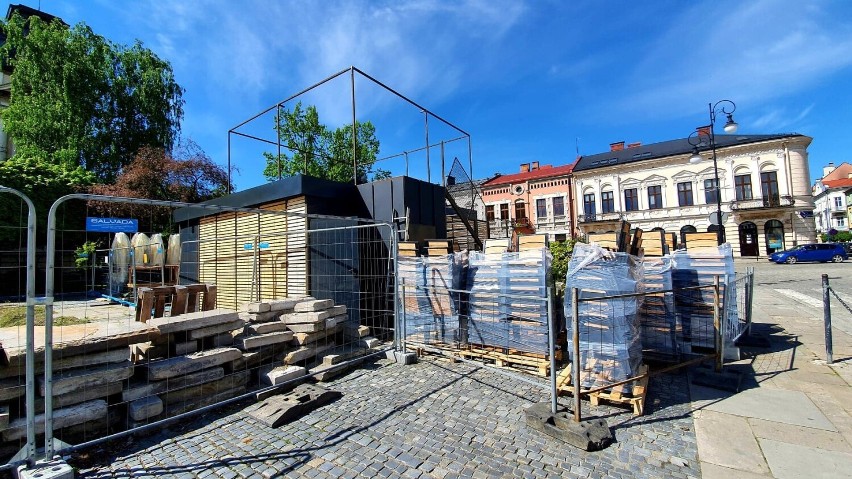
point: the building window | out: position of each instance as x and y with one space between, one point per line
607 202
589 205
684 194
540 208
504 211
769 188
838 202
841 222
655 197
631 199
489 212
558 206
520 210
710 191
743 186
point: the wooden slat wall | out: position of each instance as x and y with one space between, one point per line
701 240
225 261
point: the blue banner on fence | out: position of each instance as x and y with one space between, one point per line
112 225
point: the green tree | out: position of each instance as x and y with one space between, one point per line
314 149
78 100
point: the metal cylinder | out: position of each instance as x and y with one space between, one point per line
575 359
551 349
826 319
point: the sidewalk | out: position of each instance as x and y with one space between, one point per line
794 418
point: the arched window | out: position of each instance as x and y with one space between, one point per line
686 229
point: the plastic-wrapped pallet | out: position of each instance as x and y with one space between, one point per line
609 331
430 304
505 305
699 267
660 328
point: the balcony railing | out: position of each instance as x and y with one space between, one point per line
765 202
599 217
551 222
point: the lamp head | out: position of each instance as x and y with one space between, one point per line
730 125
695 158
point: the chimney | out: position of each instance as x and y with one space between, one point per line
525 167
634 145
617 146
534 166
826 170
703 130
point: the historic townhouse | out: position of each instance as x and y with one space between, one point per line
829 193
535 200
764 182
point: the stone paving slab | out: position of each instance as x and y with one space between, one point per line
789 407
429 420
793 461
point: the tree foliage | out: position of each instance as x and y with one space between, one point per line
79 100
188 175
313 149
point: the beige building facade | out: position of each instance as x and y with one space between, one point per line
764 185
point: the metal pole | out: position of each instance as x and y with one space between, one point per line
443 175
826 319
406 163
551 349
396 305
750 271
229 163
256 269
720 237
428 163
278 136
30 448
575 359
717 329
354 131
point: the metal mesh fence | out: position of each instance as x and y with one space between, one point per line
144 337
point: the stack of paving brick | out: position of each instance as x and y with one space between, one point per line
660 328
189 365
431 303
505 307
90 364
699 267
609 331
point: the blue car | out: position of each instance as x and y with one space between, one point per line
822 252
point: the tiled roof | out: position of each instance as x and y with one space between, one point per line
667 148
841 183
841 172
545 171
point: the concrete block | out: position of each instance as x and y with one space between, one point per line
335 320
260 317
337 310
258 307
221 340
274 375
283 408
263 328
401 357
78 379
234 381
590 435
307 317
12 388
217 329
302 339
62 418
313 305
259 341
370 342
195 320
172 367
307 327
4 416
280 305
144 408
188 347
138 391
45 469
355 331
306 352
62 362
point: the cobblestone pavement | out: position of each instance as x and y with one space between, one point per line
432 419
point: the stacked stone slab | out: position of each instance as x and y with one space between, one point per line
432 303
506 309
187 366
609 330
90 364
660 327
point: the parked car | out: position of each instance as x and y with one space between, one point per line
811 252
847 247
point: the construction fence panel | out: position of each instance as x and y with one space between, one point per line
234 302
18 257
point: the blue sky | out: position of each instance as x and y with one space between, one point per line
530 81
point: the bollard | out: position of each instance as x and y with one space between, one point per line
552 349
717 325
826 318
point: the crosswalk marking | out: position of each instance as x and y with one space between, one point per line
795 295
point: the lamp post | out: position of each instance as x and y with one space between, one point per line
726 107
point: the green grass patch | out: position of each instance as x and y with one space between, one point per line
17 316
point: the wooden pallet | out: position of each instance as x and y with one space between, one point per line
527 362
617 394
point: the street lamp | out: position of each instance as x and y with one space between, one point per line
727 108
